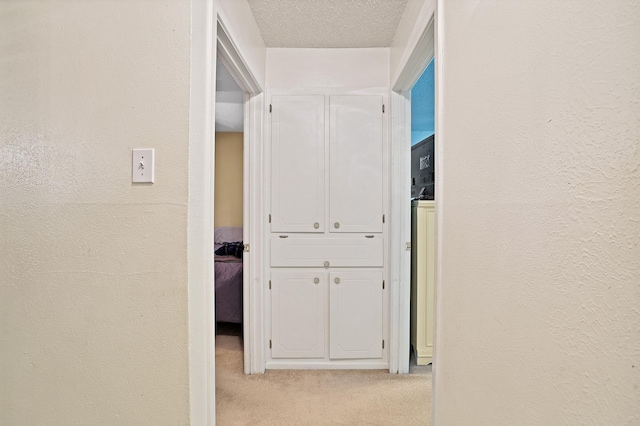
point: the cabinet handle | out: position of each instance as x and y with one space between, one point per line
316 280
368 236
336 225
283 236
326 263
316 225
337 280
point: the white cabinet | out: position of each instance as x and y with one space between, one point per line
423 276
355 314
327 242
298 313
298 164
356 164
326 252
298 309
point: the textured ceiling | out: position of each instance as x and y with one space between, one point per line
327 23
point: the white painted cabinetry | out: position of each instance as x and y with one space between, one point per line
355 195
355 314
327 252
327 301
298 164
298 313
423 278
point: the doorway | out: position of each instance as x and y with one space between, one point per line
241 104
423 203
201 321
228 205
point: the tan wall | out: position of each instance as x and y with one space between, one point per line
93 296
538 131
228 179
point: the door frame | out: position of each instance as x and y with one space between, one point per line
423 38
210 38
252 190
200 273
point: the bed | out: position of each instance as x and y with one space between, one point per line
228 276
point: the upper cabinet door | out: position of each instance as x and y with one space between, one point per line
356 164
297 163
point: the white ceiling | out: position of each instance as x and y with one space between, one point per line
327 23
229 101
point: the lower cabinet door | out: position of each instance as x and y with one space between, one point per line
298 314
355 314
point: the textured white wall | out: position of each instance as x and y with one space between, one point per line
93 297
539 213
327 68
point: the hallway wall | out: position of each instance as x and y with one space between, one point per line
93 279
228 181
539 212
327 68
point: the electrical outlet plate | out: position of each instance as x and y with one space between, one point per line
142 170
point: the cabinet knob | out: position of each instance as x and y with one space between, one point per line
337 280
316 225
316 280
326 263
336 225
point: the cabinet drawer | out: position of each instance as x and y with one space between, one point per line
313 252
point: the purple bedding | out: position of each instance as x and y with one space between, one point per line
228 276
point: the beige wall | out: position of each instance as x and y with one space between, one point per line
93 296
538 133
353 68
228 181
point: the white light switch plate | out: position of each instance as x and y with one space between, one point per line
142 165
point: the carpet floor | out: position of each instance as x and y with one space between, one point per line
317 397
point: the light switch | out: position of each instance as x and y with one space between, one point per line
142 166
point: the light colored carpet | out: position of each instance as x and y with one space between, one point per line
312 397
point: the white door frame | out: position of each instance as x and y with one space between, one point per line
200 274
422 38
232 59
209 37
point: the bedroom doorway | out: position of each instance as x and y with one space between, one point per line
239 120
228 205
